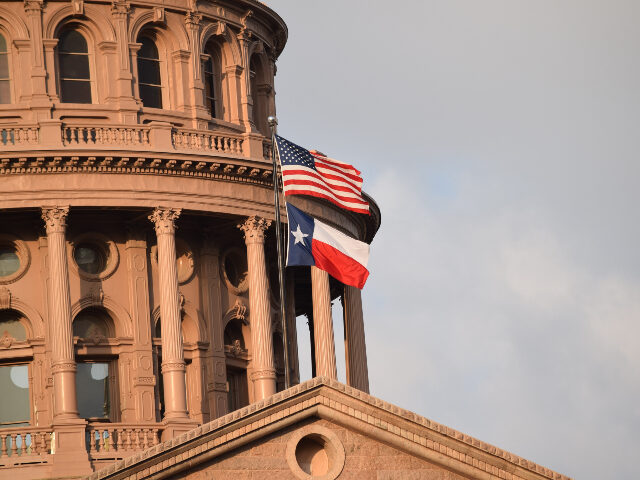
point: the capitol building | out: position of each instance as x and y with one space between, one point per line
140 325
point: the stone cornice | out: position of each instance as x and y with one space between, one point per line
325 398
150 165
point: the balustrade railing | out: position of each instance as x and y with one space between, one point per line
207 141
121 135
24 445
117 440
19 135
155 136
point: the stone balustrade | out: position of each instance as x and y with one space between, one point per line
188 139
24 445
106 135
19 135
118 440
155 136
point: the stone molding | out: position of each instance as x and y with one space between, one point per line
24 256
332 400
333 446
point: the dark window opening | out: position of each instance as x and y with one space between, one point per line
5 88
14 385
73 60
209 87
92 385
238 394
149 80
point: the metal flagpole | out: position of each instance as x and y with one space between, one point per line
273 124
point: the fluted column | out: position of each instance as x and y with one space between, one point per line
63 365
323 325
354 343
264 374
173 368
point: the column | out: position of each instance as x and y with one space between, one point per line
292 331
354 343
323 325
69 441
264 371
173 367
63 365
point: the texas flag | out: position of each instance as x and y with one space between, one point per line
312 242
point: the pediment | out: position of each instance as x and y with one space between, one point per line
347 433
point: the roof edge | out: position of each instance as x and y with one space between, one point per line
445 441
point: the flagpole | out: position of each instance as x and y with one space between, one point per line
273 124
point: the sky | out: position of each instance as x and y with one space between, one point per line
500 140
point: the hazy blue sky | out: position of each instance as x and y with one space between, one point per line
500 139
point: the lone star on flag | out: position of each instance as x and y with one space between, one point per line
299 236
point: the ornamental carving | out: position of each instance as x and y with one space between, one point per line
239 310
192 19
120 8
172 366
6 340
254 228
236 349
63 367
33 6
55 218
78 7
263 374
145 381
164 220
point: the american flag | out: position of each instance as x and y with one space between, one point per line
311 173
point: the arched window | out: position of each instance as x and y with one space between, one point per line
210 87
259 87
96 374
14 374
5 87
73 60
149 80
212 67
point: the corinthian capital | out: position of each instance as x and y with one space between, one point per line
164 220
33 6
55 218
120 8
254 228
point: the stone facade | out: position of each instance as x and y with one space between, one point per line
134 142
140 332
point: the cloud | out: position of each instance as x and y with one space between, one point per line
500 140
486 324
